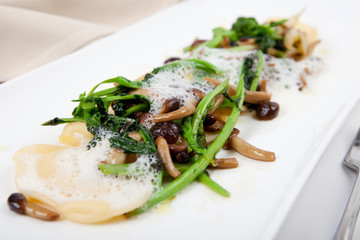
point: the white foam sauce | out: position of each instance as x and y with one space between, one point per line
175 83
282 75
78 178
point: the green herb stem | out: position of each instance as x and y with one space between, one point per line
207 181
199 166
259 68
57 121
203 107
121 81
136 108
126 97
123 170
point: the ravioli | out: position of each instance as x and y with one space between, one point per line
67 178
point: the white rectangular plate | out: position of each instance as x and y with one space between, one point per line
261 193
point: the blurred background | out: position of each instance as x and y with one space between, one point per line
35 32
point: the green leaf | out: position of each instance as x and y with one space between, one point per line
200 165
57 121
121 81
266 36
195 63
203 107
251 77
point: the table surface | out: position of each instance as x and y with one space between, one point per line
318 209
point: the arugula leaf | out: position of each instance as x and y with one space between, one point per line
219 35
119 128
251 73
265 35
195 63
93 109
123 83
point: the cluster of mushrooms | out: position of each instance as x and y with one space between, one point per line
173 147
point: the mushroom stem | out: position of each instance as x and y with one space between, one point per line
250 151
142 91
116 156
263 85
177 148
19 204
257 97
39 212
225 163
197 92
217 126
163 149
217 101
136 136
250 96
170 105
231 91
188 109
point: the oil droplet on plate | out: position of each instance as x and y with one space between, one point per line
4 148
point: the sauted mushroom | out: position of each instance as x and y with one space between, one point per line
256 97
250 151
165 156
217 101
178 148
267 110
171 59
250 96
170 105
188 109
197 92
18 203
117 156
170 131
225 163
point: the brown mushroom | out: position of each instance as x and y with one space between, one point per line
250 151
116 156
231 91
188 109
142 91
225 43
250 96
216 126
171 59
233 133
217 101
248 41
170 105
178 148
263 84
256 97
197 92
136 136
267 110
225 163
147 119
163 149
18 203
197 42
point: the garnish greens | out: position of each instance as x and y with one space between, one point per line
265 35
93 109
